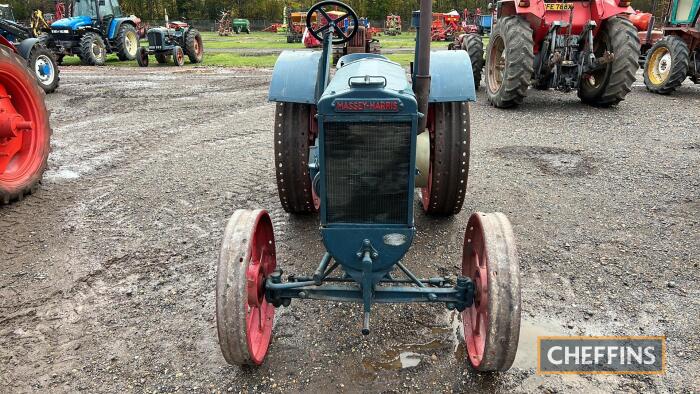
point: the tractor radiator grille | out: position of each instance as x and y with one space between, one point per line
155 39
367 172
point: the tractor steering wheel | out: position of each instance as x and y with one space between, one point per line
328 23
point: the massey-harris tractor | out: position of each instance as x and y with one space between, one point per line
96 28
677 56
24 127
353 148
584 45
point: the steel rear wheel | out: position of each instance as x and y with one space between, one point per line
24 129
244 318
509 62
450 134
666 66
492 323
294 135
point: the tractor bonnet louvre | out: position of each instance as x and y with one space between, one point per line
367 172
155 39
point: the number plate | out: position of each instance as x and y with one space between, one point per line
558 6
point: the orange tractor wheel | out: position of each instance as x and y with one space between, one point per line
24 128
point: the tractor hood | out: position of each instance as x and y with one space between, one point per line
72 23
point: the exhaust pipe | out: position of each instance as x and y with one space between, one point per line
421 77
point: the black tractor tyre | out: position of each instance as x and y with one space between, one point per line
511 48
124 47
162 58
59 59
142 57
679 54
41 54
474 46
611 84
194 47
293 138
290 39
178 56
92 50
450 135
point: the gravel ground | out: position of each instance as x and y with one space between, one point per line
107 273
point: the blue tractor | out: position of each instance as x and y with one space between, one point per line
96 28
40 59
355 148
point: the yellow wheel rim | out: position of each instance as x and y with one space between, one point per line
132 43
659 66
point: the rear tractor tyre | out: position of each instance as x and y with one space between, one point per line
178 56
294 135
492 322
194 47
25 136
666 66
244 317
474 46
127 42
450 131
509 62
92 50
608 86
43 63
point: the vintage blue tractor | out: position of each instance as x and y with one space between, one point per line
354 148
96 28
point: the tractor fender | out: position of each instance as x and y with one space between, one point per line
294 77
534 11
451 77
116 24
25 47
606 9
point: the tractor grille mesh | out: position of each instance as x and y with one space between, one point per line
155 39
367 172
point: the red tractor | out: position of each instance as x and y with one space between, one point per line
589 46
24 127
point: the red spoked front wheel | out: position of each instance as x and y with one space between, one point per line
492 323
24 128
244 318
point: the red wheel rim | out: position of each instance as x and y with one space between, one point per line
23 131
260 313
198 46
475 266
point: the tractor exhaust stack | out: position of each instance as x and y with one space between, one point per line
421 77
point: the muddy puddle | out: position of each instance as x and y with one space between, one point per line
449 338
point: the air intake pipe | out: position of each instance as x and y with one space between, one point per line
421 72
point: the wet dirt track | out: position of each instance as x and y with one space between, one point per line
107 273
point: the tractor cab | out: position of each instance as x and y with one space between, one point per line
685 12
96 28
